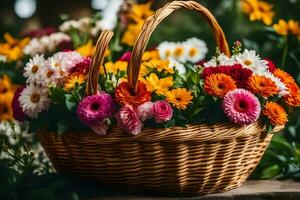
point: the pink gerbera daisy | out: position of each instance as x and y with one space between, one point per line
93 110
241 107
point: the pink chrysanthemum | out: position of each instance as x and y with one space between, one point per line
241 107
94 109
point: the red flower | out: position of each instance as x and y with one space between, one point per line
126 56
271 65
82 67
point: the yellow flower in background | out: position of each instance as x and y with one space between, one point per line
160 65
13 48
258 10
6 113
154 84
179 97
111 67
131 33
140 12
149 55
285 28
86 49
7 90
74 80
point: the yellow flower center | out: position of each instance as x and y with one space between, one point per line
34 69
35 98
168 53
56 65
192 52
178 52
61 72
248 62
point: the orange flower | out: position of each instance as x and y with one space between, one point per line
262 85
275 113
219 84
293 98
179 97
287 27
258 10
124 95
6 112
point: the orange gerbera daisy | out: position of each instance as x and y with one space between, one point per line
124 95
179 97
219 84
262 85
275 113
285 77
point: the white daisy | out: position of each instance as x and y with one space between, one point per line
179 52
56 69
177 65
195 49
50 74
283 90
222 59
33 69
34 99
3 58
165 50
250 60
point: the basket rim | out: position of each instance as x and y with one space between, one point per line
199 133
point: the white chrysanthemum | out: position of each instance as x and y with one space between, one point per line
3 58
69 59
68 25
283 90
34 99
33 69
34 47
174 64
165 50
250 60
222 59
50 73
195 49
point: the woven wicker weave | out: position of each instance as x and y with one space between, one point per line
199 159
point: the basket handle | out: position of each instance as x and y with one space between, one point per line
152 22
97 61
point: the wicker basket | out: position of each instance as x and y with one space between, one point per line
196 160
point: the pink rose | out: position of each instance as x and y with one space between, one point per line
162 111
129 120
145 111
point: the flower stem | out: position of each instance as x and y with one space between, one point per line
285 51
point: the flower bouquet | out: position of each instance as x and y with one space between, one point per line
162 120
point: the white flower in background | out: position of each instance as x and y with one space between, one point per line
68 25
283 90
165 50
33 69
195 49
179 52
45 44
34 99
84 24
3 58
222 59
250 60
174 64
110 14
69 59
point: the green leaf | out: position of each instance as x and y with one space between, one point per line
270 172
71 102
62 126
57 95
169 123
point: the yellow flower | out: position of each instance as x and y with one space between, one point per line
284 28
114 67
7 90
86 49
179 97
74 80
140 12
6 85
154 84
13 48
160 65
5 106
258 10
131 33
149 55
